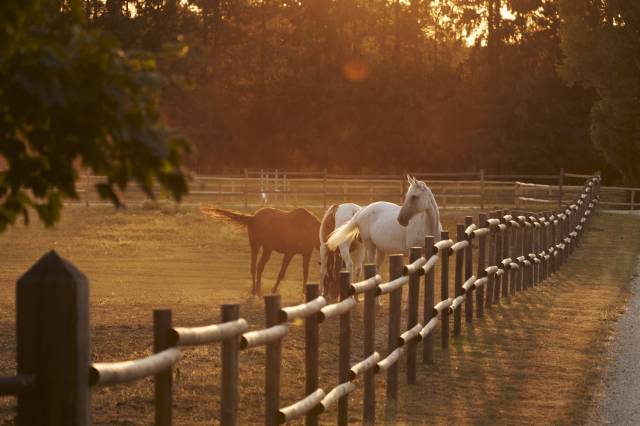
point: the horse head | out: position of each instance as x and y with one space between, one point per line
418 199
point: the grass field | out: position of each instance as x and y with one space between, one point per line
534 360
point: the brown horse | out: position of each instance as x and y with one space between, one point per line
287 232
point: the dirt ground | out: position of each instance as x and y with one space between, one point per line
532 360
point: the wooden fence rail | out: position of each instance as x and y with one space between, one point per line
254 188
54 381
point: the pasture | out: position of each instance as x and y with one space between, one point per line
549 338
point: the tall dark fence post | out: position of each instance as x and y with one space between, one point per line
506 250
545 247
429 301
369 340
412 319
468 272
345 349
491 257
52 309
520 252
513 253
536 250
532 248
482 255
272 362
163 382
230 349
457 314
396 262
444 290
565 234
312 350
497 260
554 241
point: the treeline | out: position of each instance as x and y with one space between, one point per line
363 86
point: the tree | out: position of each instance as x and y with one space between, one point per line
71 100
601 40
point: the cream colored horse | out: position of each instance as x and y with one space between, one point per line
387 228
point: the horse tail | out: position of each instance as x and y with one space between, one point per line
227 216
347 232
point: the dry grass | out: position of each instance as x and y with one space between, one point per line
533 360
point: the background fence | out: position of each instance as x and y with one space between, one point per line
514 253
254 188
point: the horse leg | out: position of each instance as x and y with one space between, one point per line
346 256
348 264
264 257
357 257
283 268
255 248
324 260
306 258
370 252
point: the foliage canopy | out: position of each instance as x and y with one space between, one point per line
72 100
601 43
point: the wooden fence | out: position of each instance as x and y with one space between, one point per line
55 374
253 188
256 188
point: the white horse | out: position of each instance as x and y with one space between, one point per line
352 252
387 228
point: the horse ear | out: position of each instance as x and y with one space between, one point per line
409 179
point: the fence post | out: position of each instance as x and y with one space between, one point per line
560 187
524 284
565 234
633 199
345 350
554 241
163 382
457 314
87 188
499 279
491 256
468 272
369 341
519 244
312 350
534 249
412 319
429 301
52 330
272 362
482 255
396 262
324 188
230 349
545 246
506 253
482 200
276 190
444 290
286 187
513 254
528 251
